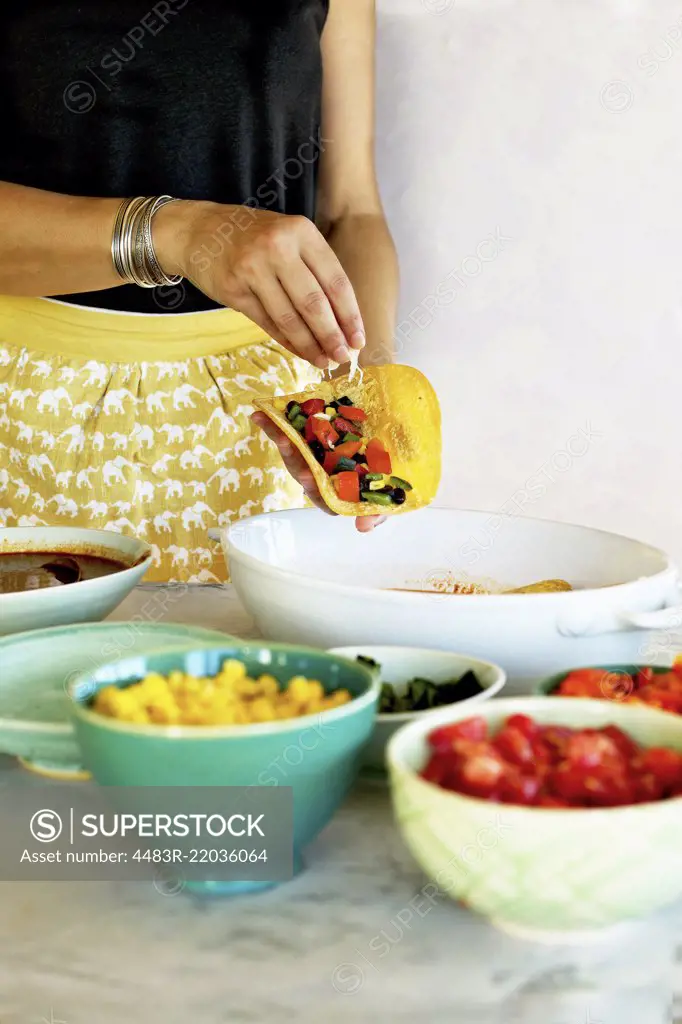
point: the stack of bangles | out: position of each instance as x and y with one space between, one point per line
132 248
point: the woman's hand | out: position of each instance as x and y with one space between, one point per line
276 269
300 470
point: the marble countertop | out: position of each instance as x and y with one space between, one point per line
105 953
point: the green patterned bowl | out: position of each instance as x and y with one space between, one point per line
36 668
549 875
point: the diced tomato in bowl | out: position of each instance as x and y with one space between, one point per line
623 684
584 832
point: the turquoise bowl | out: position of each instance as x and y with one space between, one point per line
124 754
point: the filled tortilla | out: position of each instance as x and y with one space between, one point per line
373 443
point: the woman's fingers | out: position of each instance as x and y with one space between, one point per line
327 269
292 459
309 299
365 524
290 324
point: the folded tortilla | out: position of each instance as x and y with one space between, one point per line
403 412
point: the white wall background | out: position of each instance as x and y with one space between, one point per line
557 123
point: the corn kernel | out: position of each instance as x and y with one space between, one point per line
229 698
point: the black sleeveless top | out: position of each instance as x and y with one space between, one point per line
197 99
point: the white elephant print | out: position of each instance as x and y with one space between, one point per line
18 398
50 400
37 464
162 522
181 396
144 435
144 491
174 434
173 488
180 555
97 509
194 516
155 401
65 506
76 436
229 479
254 474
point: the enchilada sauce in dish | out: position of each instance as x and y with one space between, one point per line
38 570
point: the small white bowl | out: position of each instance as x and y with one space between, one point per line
89 600
399 665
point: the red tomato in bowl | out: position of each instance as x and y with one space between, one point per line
533 765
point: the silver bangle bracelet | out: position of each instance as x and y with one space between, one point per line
132 246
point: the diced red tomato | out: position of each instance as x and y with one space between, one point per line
308 432
567 783
516 788
347 486
554 738
583 682
610 788
654 688
438 769
480 774
330 460
469 729
590 748
351 413
361 470
312 405
348 448
647 788
665 765
514 746
669 681
616 686
378 459
625 743
344 426
644 676
551 801
324 432
556 767
525 724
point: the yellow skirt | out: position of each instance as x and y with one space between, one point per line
140 424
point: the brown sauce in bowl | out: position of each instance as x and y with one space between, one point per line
21 571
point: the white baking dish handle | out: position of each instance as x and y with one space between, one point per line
664 618
628 622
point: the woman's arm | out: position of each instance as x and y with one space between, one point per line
350 211
52 244
276 269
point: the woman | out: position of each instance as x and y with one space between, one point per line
125 397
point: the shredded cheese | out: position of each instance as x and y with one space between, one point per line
354 365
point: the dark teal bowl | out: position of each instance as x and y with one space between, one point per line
547 686
125 754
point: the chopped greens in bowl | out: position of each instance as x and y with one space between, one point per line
423 694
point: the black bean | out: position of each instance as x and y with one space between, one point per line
398 495
360 459
317 450
344 401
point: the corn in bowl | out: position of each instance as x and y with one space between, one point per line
231 697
